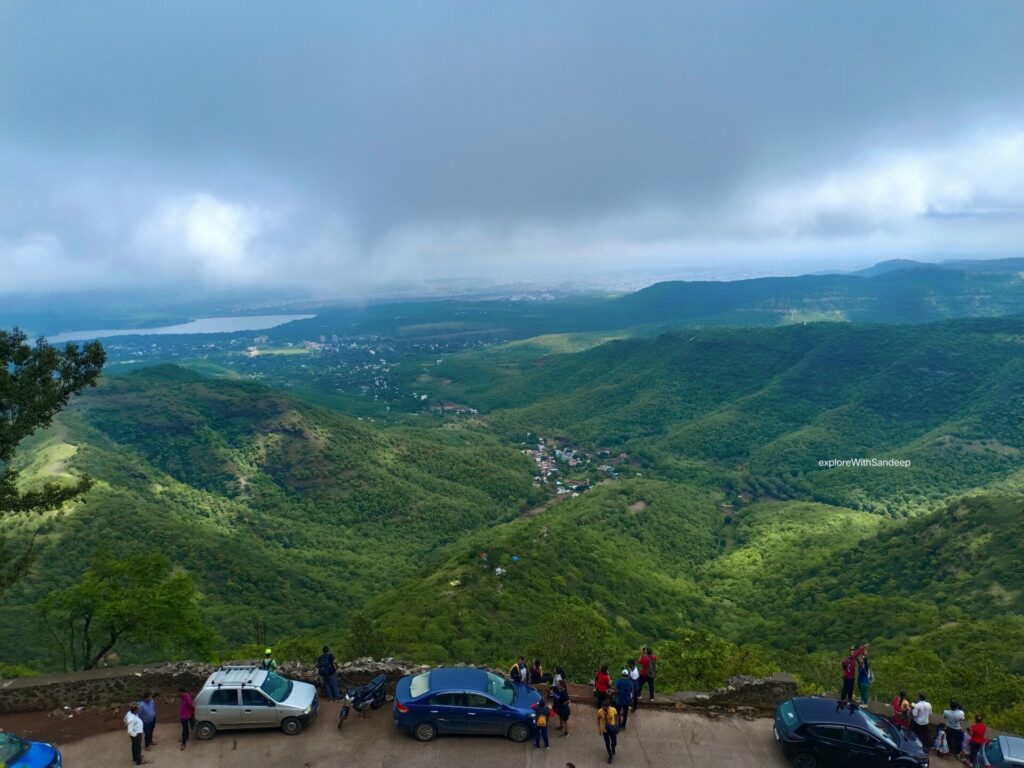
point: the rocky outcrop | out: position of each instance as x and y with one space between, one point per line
755 695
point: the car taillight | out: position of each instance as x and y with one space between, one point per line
401 707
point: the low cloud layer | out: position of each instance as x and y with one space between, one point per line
341 150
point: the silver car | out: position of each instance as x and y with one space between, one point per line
250 697
1001 752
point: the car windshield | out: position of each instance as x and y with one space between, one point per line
993 752
276 687
500 688
880 727
10 748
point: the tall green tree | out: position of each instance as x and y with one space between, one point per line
140 600
36 382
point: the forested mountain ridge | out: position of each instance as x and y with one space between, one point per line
914 294
760 407
424 535
282 511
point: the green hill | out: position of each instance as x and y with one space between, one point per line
282 511
759 408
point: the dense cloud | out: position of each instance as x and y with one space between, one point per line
343 147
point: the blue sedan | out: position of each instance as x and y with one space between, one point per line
16 752
460 700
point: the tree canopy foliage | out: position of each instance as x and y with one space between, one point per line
36 381
139 600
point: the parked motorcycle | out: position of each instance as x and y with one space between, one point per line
364 697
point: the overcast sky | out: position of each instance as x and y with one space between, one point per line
344 147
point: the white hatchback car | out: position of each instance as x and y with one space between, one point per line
250 697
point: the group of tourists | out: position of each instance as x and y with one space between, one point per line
950 737
140 721
614 700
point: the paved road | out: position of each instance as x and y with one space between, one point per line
654 738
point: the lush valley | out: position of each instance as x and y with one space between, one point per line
717 536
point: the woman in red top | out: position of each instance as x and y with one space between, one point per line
602 683
187 711
648 664
900 708
977 736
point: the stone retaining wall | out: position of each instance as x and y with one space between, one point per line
119 685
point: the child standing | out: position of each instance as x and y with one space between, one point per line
541 714
940 746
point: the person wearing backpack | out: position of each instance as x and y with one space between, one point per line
541 714
327 667
648 664
608 726
634 675
623 698
864 676
849 667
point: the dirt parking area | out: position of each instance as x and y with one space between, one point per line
654 738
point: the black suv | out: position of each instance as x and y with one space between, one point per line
824 733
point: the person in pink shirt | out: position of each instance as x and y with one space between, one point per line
187 712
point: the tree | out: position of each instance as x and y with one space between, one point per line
139 600
36 382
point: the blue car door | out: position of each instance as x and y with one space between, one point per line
448 712
484 715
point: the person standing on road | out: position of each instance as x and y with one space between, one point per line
864 676
186 712
560 703
623 697
147 713
648 664
849 665
901 710
608 725
133 723
328 669
634 676
268 662
541 715
602 684
920 716
954 717
978 729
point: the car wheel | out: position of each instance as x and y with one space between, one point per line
519 732
291 726
805 760
425 731
205 730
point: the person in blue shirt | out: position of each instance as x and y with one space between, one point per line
624 691
147 713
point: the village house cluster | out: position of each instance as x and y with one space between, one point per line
559 464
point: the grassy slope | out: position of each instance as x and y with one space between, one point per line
281 510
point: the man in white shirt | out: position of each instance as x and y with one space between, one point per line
921 713
133 723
